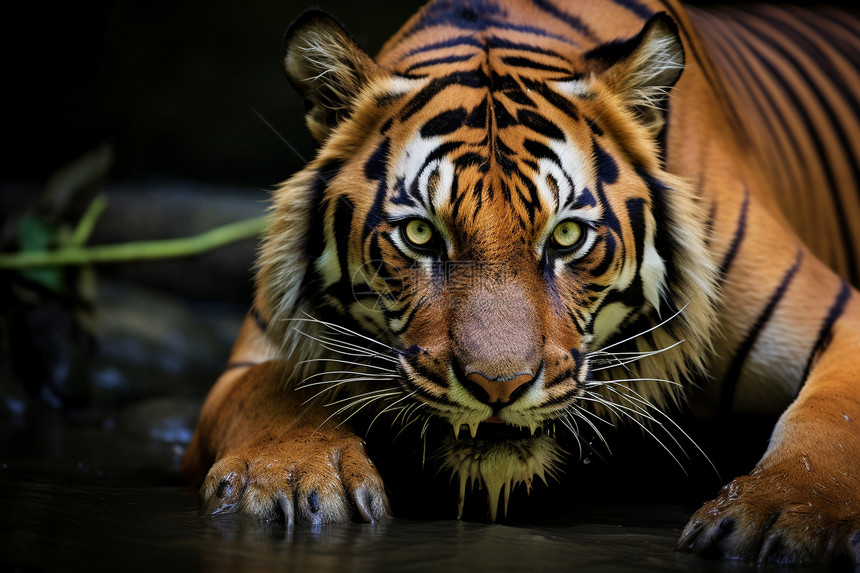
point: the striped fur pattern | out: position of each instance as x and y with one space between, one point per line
541 134
705 164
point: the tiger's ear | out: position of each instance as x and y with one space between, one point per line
326 67
643 69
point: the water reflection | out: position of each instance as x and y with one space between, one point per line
94 523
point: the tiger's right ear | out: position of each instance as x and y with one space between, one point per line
327 68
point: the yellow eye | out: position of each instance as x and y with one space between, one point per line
419 232
566 234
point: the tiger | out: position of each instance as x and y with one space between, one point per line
525 217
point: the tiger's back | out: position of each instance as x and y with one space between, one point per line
793 75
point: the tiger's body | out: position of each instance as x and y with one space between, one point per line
515 214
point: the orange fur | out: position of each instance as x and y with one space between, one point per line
727 206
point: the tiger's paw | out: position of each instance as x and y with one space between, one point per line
769 518
310 478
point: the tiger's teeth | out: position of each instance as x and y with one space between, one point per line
456 429
533 428
473 428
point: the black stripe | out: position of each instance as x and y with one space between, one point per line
523 62
538 150
848 51
825 334
558 379
565 398
813 49
553 98
532 202
730 381
518 96
569 19
427 374
536 30
746 79
665 244
342 229
636 217
501 43
842 21
608 256
635 7
472 79
824 159
740 231
457 196
376 168
449 43
466 17
605 164
444 123
540 124
440 60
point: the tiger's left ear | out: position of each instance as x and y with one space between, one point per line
326 67
643 69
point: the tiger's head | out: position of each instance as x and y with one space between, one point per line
500 228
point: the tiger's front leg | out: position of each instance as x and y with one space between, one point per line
276 456
802 500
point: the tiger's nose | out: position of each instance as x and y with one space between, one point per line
497 390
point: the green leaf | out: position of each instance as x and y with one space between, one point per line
37 235
34 233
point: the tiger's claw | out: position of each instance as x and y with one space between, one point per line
314 480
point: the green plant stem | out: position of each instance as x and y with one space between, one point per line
137 251
88 222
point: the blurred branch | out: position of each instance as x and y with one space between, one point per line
135 251
88 222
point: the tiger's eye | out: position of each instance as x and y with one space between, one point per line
566 234
419 232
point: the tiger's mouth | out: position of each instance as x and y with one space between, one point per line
497 457
496 430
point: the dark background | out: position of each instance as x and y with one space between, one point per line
171 85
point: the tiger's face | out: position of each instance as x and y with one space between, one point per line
498 267
501 228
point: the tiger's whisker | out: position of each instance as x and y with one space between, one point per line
360 397
623 411
389 407
573 428
424 429
599 383
655 327
660 412
331 386
579 413
648 355
409 423
387 371
339 328
328 346
357 348
640 405
368 401
628 410
340 381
